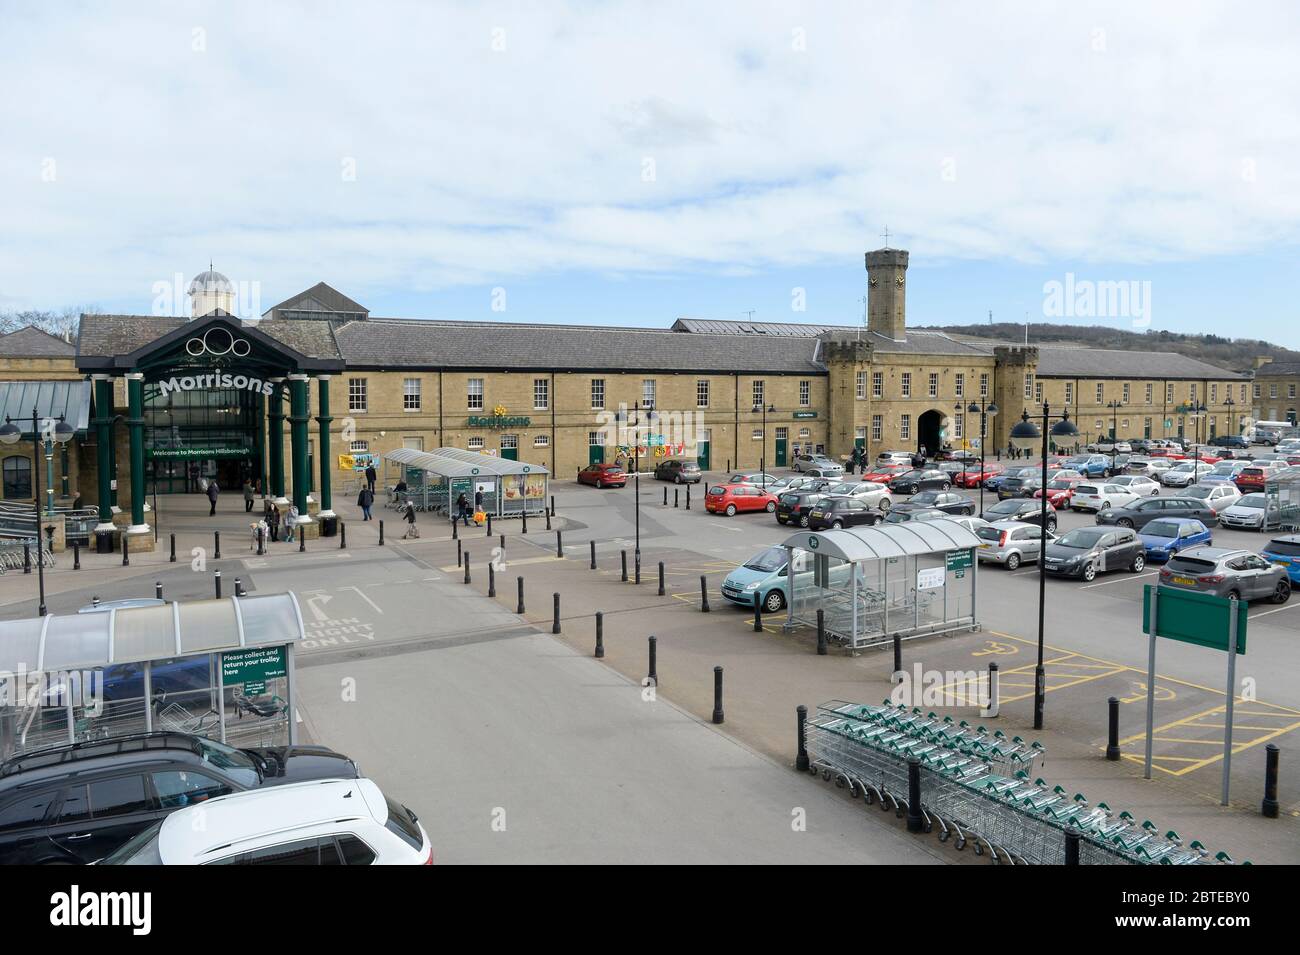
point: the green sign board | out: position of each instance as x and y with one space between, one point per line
805 414
959 559
497 422
1190 617
253 668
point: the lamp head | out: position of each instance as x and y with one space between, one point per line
1025 435
10 432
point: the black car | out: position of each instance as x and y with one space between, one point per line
678 471
840 512
921 479
793 507
1026 510
950 502
1229 441
1142 512
1019 486
74 804
1087 551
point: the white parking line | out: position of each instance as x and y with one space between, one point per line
1265 613
1119 580
726 528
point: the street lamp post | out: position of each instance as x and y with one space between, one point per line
762 460
636 482
1025 435
1196 411
985 409
1230 404
1114 407
50 431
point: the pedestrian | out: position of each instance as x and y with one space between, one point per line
273 520
478 500
365 500
370 477
77 502
213 491
290 523
412 531
924 454
462 508
248 496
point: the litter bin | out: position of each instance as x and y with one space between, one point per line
329 526
105 542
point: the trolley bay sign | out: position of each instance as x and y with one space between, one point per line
253 668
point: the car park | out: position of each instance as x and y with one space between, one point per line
793 507
1185 473
901 515
868 492
802 462
1218 496
1100 497
75 803
1026 510
920 479
603 475
1227 573
1250 512
838 512
731 499
1144 510
950 502
328 822
1169 535
1284 551
1010 543
1087 551
678 471
1139 484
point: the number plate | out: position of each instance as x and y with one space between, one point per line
1185 581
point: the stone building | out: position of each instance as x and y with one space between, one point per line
1275 390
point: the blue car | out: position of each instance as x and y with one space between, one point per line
1090 465
1285 552
1166 536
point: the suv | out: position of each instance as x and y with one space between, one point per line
678 471
74 804
1141 512
1026 509
1086 551
1227 573
1229 441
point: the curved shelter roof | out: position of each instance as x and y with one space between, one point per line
881 541
459 463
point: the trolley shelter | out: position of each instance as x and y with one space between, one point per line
911 579
222 668
1282 501
436 479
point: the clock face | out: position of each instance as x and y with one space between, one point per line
899 281
874 282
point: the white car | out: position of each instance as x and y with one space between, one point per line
1185 473
325 822
803 462
1248 513
894 457
1218 496
829 471
1138 484
868 492
1153 468
1100 497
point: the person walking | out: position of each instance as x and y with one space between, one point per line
478 501
291 523
248 496
412 532
462 508
273 520
213 492
370 477
365 500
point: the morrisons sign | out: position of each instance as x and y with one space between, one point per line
215 379
497 421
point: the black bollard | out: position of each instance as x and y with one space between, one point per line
381 533
593 554
503 545
492 579
216 580
1269 808
994 692
915 821
157 590
520 609
653 675
466 566
239 587
758 613
600 634
343 536
76 556
1071 848
666 497
801 760
548 520
555 617
126 550
688 497
636 567
260 549
821 632
661 579
216 545
898 653
524 528
302 539
677 496
717 695
623 555
704 594
552 505
489 526
559 544
460 553
27 558
455 529
1112 736
172 558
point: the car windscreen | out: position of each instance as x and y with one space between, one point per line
988 533
235 763
844 487
1081 538
926 497
1252 500
1284 548
1161 529
768 561
911 476
1190 565
1006 507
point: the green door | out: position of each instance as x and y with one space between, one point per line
596 454
510 447
702 454
780 452
510 454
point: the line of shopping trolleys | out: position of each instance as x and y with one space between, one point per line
980 788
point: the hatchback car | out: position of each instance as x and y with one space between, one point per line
1169 535
603 475
1100 497
1251 512
803 462
678 471
894 457
1185 473
1285 552
1227 573
1140 513
761 478
1225 472
1026 510
994 481
950 502
731 499
838 512
1253 477
1139 484
329 822
793 507
976 476
901 515
920 479
1010 543
1087 551
1059 492
884 473
868 492
1019 486
1218 496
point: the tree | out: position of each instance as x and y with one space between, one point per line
62 322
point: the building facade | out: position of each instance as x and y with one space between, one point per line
1275 391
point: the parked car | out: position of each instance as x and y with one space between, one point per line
920 479
884 473
901 515
1087 551
1019 485
1027 510
1139 484
1169 535
766 575
1250 512
1229 441
1152 468
1218 496
603 475
1100 497
1227 573
1285 552
976 476
868 492
1059 492
761 478
1110 444
1253 477
995 481
678 471
1090 465
832 472
731 499
1185 473
805 483
838 512
894 457
793 507
76 803
802 462
329 822
1010 543
1141 512
1225 472
950 502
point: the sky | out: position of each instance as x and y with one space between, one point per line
629 163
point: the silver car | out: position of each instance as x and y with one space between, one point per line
869 492
1253 512
1010 543
1227 573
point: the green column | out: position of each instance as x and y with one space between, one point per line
298 420
135 424
259 440
323 420
104 439
276 438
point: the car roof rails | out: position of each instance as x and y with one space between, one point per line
91 749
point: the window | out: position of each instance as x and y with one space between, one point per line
805 393
1290 391
1243 393
1191 392
354 851
1257 389
119 796
541 394
474 394
860 385
1126 392
410 394
782 434
17 477
474 444
959 385
1038 391
1149 390
76 807
597 393
958 425
1099 425
359 447
23 813
805 432
1169 393
1214 393
758 393
177 789
757 434
907 384
702 393
356 394
877 384
1272 390
984 385
1069 392
542 441
596 439
509 442
877 427
1146 427
648 393
905 426
1029 384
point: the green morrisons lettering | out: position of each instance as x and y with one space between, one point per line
499 421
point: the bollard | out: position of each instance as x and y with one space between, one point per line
520 609
600 634
503 545
593 554
801 760
717 695
27 557
898 656
489 526
216 580
381 533
343 536
728 464
661 578
559 544
666 496
555 617
1269 807
548 520
915 821
260 549
704 594
466 566
1112 736
239 587
636 568
677 496
302 538
552 505
758 613
1071 848
653 675
821 632
492 579
126 550
216 545
994 692
688 497
524 528
455 529
460 554
623 555
76 556
172 558
157 590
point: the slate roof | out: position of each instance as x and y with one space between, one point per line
719 326
112 335
32 342
1272 369
319 298
918 341
1064 361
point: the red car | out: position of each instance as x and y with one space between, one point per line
731 498
975 477
884 473
603 475
1252 478
1059 491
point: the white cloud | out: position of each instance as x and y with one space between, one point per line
976 130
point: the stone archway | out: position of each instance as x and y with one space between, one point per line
929 429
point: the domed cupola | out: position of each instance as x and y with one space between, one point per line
210 291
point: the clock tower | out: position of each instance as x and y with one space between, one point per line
887 293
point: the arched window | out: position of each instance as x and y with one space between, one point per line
17 477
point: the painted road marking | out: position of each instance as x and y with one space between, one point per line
726 528
502 564
1119 580
1265 613
376 606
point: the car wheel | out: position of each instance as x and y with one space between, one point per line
1090 572
803 521
1013 561
678 479
838 526
1051 525
1233 594
1282 593
731 510
771 506
969 511
1124 522
1139 563
945 486
1105 506
885 504
774 601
